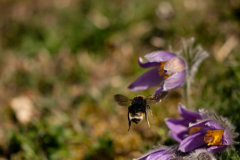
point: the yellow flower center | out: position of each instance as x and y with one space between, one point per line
214 137
193 130
161 71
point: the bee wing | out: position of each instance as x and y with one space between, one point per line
156 98
122 100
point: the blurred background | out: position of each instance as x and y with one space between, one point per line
61 62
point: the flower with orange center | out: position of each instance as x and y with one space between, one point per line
215 134
169 72
179 129
172 153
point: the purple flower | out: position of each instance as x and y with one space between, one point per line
179 129
201 130
173 153
162 152
169 72
215 134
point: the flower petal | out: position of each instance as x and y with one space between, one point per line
159 56
187 114
174 81
147 80
209 124
227 139
180 136
158 151
177 125
147 64
192 142
157 156
217 149
202 113
174 65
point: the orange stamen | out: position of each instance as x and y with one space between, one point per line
193 130
214 137
161 71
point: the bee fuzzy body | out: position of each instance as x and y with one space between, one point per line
137 110
137 107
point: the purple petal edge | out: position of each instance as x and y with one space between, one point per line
159 56
147 64
209 124
227 138
177 125
217 149
158 151
179 137
192 142
156 156
147 80
187 114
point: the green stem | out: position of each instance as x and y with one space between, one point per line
187 92
185 95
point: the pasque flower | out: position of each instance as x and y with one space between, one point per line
161 153
179 129
173 153
204 130
215 133
169 71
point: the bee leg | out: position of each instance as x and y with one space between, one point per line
146 116
148 107
129 122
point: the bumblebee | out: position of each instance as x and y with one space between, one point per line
137 107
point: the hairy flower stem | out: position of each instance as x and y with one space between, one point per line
186 49
187 93
193 55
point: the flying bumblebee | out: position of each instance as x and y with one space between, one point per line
138 106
